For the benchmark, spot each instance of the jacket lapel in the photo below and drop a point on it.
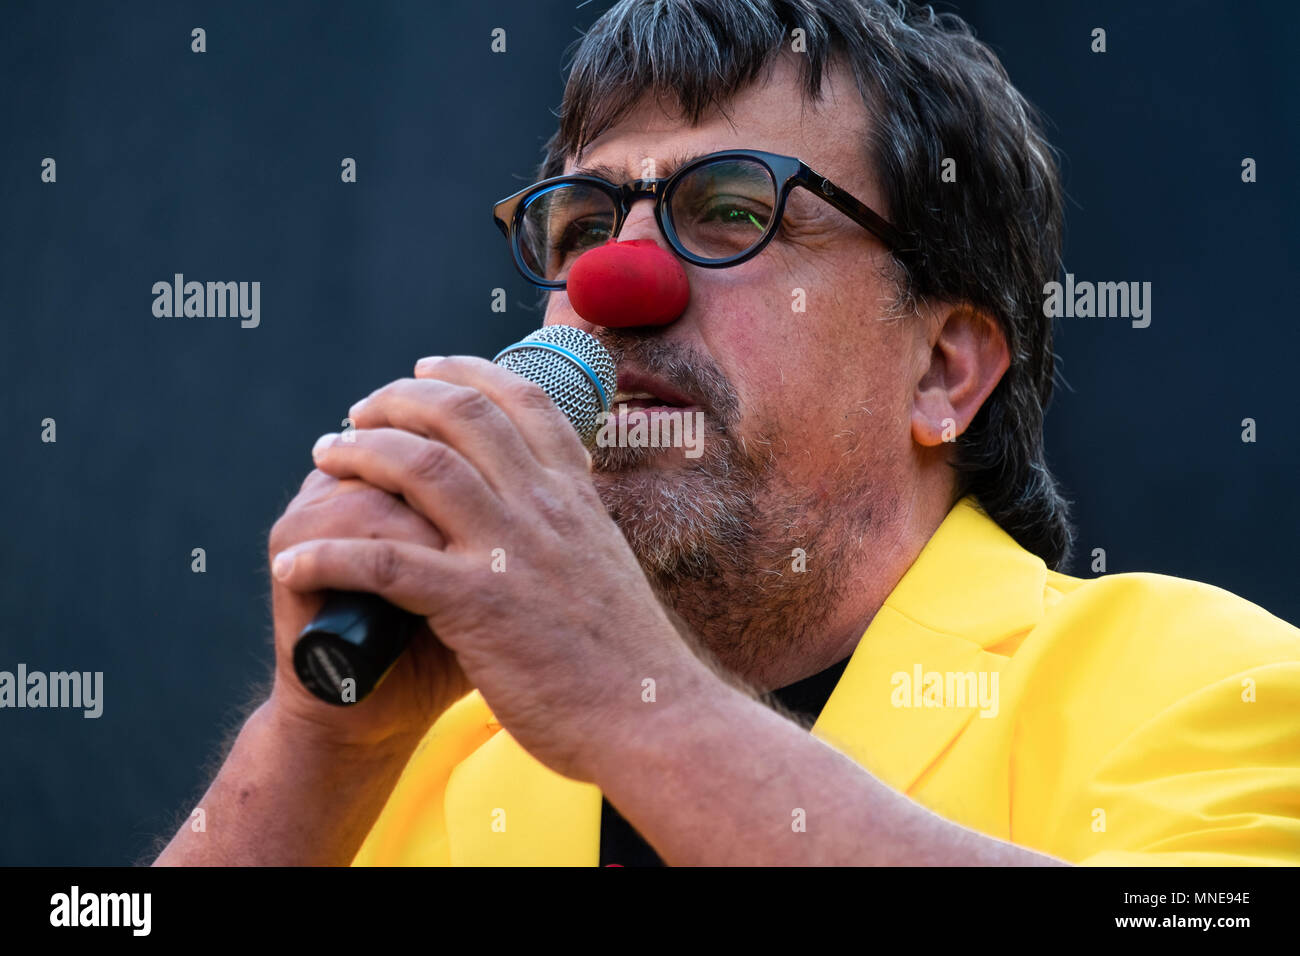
(971, 589)
(506, 808)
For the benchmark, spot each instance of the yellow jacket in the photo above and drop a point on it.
(1127, 719)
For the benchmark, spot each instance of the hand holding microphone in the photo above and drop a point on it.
(464, 463)
(535, 591)
(349, 647)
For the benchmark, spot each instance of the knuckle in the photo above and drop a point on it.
(281, 535)
(362, 510)
(314, 482)
(351, 509)
(555, 511)
(432, 462)
(388, 388)
(385, 565)
(356, 411)
(380, 504)
(364, 409)
(467, 403)
(531, 396)
(316, 487)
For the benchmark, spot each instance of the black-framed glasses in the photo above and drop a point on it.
(717, 210)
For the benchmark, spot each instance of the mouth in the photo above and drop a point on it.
(645, 392)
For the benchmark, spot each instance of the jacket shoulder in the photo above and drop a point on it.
(1162, 614)
(1157, 725)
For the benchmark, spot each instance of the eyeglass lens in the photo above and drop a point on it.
(718, 210)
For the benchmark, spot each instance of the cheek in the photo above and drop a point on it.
(824, 408)
(820, 385)
(749, 319)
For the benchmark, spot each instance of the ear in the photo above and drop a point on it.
(967, 360)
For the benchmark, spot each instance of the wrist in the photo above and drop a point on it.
(321, 736)
(686, 696)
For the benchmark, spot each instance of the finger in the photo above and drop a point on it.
(368, 512)
(433, 478)
(412, 577)
(316, 485)
(542, 425)
(464, 418)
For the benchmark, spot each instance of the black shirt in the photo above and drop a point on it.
(620, 844)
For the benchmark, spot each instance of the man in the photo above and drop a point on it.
(872, 529)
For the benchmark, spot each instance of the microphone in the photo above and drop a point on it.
(358, 636)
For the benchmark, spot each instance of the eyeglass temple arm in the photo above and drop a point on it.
(847, 204)
(502, 212)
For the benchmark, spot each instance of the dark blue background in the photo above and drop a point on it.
(182, 433)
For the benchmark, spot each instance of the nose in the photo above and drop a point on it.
(633, 282)
(640, 221)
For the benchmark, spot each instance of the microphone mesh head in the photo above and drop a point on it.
(570, 385)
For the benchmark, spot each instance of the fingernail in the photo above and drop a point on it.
(282, 565)
(590, 460)
(322, 443)
(427, 363)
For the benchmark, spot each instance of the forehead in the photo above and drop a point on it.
(830, 135)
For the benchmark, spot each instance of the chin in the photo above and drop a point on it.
(613, 462)
(677, 522)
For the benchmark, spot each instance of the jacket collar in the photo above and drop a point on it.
(970, 589)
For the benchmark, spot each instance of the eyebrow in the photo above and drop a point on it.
(617, 175)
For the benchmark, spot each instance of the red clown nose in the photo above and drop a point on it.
(628, 283)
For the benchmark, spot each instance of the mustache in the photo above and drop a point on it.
(685, 368)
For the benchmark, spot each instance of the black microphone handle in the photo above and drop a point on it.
(356, 637)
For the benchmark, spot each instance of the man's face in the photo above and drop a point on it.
(807, 438)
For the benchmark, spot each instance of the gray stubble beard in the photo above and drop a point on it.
(716, 541)
(716, 535)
